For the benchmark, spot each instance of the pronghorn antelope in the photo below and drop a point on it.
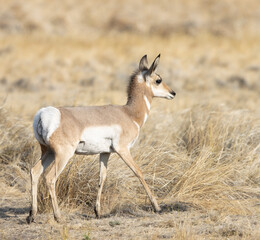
(103, 130)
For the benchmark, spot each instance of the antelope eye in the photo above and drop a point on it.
(158, 81)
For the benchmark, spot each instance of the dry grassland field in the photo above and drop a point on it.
(200, 153)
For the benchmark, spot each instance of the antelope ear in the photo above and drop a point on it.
(154, 66)
(143, 65)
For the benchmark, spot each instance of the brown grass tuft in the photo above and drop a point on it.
(208, 160)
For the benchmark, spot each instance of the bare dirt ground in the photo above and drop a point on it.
(178, 221)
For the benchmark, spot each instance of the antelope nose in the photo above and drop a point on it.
(173, 93)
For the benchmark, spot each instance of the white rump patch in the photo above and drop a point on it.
(148, 105)
(99, 139)
(45, 122)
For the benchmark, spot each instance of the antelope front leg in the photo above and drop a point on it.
(103, 159)
(126, 156)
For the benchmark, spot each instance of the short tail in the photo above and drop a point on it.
(45, 122)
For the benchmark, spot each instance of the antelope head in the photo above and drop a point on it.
(153, 80)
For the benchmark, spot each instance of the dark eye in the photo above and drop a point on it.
(158, 81)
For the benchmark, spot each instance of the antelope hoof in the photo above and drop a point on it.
(30, 218)
(96, 212)
(58, 219)
(158, 210)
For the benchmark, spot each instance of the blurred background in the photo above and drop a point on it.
(57, 52)
(201, 149)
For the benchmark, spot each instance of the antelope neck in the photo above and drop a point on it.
(138, 105)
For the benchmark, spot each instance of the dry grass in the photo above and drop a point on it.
(209, 160)
(199, 153)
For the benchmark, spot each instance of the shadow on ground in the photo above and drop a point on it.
(170, 207)
(12, 212)
(142, 210)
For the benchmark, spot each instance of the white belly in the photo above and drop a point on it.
(100, 139)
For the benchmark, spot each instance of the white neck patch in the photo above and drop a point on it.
(138, 127)
(145, 118)
(140, 78)
(148, 81)
(148, 105)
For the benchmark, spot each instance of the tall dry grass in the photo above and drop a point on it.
(206, 156)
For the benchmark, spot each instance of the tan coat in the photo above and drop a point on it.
(64, 131)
